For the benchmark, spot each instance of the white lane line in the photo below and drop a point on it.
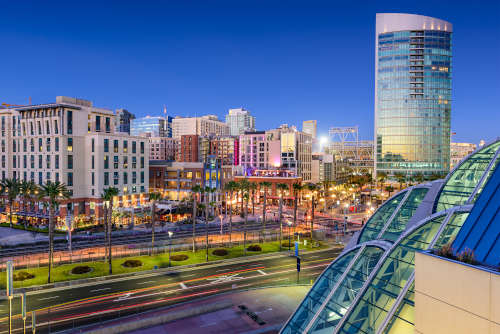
(189, 275)
(260, 271)
(46, 298)
(314, 256)
(103, 289)
(217, 271)
(146, 282)
(183, 286)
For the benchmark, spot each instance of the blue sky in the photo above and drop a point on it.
(286, 61)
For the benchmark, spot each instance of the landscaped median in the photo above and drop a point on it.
(23, 277)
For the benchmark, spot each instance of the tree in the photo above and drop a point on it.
(265, 185)
(11, 187)
(244, 186)
(27, 189)
(108, 195)
(281, 188)
(153, 198)
(195, 190)
(401, 178)
(297, 188)
(312, 188)
(53, 193)
(253, 187)
(231, 186)
(389, 189)
(419, 177)
(382, 177)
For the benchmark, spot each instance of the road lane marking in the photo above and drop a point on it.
(146, 282)
(260, 271)
(189, 275)
(47, 298)
(183, 286)
(103, 289)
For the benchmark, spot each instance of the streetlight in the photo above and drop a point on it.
(170, 234)
(220, 217)
(289, 235)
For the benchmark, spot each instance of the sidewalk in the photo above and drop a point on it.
(270, 307)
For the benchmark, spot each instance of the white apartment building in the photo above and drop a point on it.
(240, 121)
(208, 125)
(75, 143)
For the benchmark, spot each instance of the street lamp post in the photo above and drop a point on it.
(170, 234)
(289, 235)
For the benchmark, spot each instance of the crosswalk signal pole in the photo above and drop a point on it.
(23, 310)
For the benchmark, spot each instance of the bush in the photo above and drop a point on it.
(285, 244)
(132, 263)
(467, 256)
(446, 251)
(179, 257)
(22, 275)
(78, 270)
(220, 252)
(254, 248)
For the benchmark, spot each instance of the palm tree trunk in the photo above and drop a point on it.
(153, 204)
(253, 203)
(194, 223)
(230, 218)
(10, 213)
(105, 224)
(245, 229)
(280, 211)
(51, 240)
(264, 215)
(110, 257)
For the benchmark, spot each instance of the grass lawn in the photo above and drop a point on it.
(63, 272)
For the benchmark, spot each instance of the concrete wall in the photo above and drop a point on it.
(451, 297)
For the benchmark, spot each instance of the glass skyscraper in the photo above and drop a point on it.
(412, 94)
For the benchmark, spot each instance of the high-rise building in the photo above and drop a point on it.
(239, 120)
(412, 94)
(310, 127)
(75, 143)
(122, 120)
(208, 125)
(151, 126)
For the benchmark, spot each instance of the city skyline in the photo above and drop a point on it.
(172, 70)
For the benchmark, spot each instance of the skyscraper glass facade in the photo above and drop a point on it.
(413, 94)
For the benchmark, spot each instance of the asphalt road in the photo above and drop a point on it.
(71, 307)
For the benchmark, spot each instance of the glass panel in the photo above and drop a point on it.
(316, 296)
(465, 178)
(390, 280)
(403, 320)
(376, 222)
(398, 224)
(343, 297)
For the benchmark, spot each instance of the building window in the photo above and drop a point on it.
(125, 146)
(40, 157)
(142, 177)
(47, 161)
(70, 162)
(93, 178)
(14, 161)
(70, 144)
(142, 162)
(106, 162)
(47, 177)
(69, 123)
(125, 178)
(134, 147)
(40, 143)
(143, 189)
(32, 161)
(25, 145)
(56, 144)
(47, 127)
(116, 178)
(48, 144)
(115, 162)
(25, 161)
(125, 162)
(56, 162)
(108, 125)
(134, 162)
(106, 178)
(40, 178)
(93, 162)
(98, 123)
(142, 147)
(93, 144)
(14, 145)
(39, 128)
(56, 128)
(106, 145)
(115, 146)
(134, 177)
(70, 179)
(57, 177)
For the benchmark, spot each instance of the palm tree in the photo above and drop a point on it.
(281, 187)
(11, 187)
(253, 187)
(107, 196)
(53, 192)
(244, 186)
(195, 190)
(153, 197)
(419, 177)
(297, 188)
(382, 176)
(231, 187)
(389, 189)
(401, 178)
(312, 188)
(27, 189)
(264, 185)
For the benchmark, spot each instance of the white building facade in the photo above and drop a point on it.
(240, 121)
